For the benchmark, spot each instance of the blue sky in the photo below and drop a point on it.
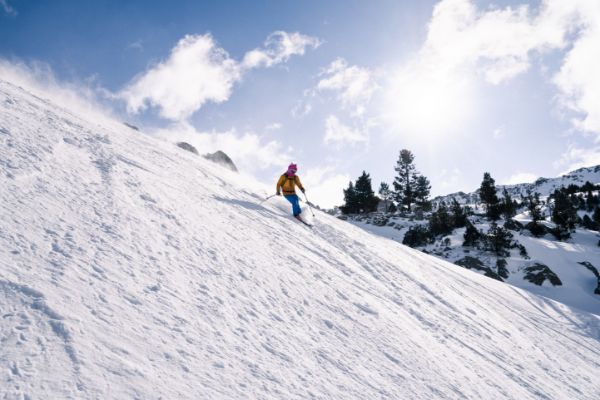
(337, 87)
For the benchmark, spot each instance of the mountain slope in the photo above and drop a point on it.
(543, 186)
(133, 269)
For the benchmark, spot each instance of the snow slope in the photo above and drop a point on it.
(130, 268)
(563, 258)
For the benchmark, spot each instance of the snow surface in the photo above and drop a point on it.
(130, 268)
(563, 258)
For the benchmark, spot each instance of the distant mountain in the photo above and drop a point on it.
(543, 186)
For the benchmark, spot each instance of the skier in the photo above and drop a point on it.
(287, 184)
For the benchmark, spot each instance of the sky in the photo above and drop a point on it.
(338, 87)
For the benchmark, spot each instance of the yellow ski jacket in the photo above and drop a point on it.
(287, 184)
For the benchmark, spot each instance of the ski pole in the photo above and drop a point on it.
(273, 195)
(308, 202)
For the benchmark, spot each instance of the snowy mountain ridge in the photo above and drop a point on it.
(130, 268)
(543, 186)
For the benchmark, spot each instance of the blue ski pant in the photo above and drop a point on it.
(293, 198)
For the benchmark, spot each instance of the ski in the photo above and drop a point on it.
(303, 221)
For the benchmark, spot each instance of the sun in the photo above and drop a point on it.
(428, 102)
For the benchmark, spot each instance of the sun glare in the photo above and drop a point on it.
(428, 104)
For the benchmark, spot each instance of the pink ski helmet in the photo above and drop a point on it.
(292, 168)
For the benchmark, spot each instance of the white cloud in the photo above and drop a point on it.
(498, 42)
(8, 8)
(324, 186)
(434, 89)
(338, 133)
(137, 45)
(301, 109)
(520, 177)
(578, 78)
(249, 151)
(355, 85)
(275, 126)
(576, 157)
(83, 98)
(278, 48)
(198, 71)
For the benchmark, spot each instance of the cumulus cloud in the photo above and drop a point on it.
(498, 42)
(196, 71)
(338, 133)
(199, 71)
(465, 43)
(578, 79)
(249, 151)
(8, 9)
(355, 85)
(278, 48)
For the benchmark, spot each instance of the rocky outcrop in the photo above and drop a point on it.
(538, 273)
(188, 147)
(594, 270)
(221, 158)
(135, 128)
(475, 263)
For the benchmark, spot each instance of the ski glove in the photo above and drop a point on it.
(278, 194)
(303, 190)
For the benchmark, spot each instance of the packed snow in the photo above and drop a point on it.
(131, 268)
(563, 258)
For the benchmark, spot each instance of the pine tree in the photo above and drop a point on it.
(564, 214)
(440, 222)
(472, 236)
(385, 193)
(459, 215)
(403, 182)
(350, 200)
(421, 192)
(534, 205)
(589, 200)
(499, 240)
(509, 207)
(596, 215)
(488, 196)
(366, 199)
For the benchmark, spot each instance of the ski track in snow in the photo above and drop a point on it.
(130, 268)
